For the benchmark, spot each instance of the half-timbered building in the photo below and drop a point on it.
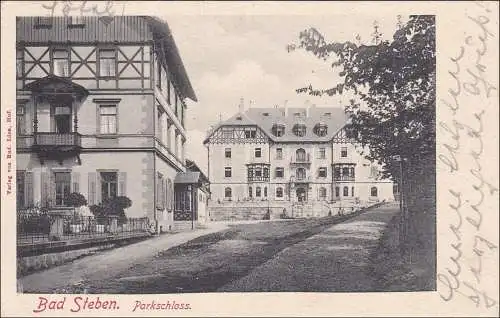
(297, 159)
(101, 111)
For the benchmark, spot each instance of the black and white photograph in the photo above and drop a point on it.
(169, 154)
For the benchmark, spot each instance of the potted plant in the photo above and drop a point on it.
(77, 223)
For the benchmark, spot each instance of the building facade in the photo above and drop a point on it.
(297, 159)
(101, 111)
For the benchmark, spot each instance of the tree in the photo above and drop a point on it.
(394, 86)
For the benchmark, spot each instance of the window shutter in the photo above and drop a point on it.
(98, 196)
(170, 197)
(52, 189)
(28, 188)
(75, 182)
(122, 184)
(157, 192)
(163, 192)
(318, 193)
(92, 188)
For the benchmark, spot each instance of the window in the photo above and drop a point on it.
(343, 152)
(75, 21)
(337, 191)
(299, 130)
(257, 192)
(63, 187)
(337, 172)
(300, 173)
(250, 133)
(374, 172)
(321, 129)
(346, 191)
(108, 119)
(322, 153)
(227, 172)
(20, 195)
(107, 63)
(279, 192)
(279, 153)
(258, 152)
(43, 22)
(279, 172)
(20, 120)
(278, 130)
(19, 62)
(169, 89)
(183, 200)
(352, 191)
(345, 172)
(227, 152)
(374, 192)
(60, 63)
(227, 133)
(301, 155)
(258, 172)
(250, 193)
(265, 192)
(322, 193)
(227, 193)
(266, 172)
(159, 75)
(109, 185)
(351, 172)
(322, 172)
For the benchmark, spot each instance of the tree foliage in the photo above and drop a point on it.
(393, 82)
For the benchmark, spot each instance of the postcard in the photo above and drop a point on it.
(249, 158)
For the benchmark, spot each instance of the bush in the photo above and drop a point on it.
(112, 207)
(76, 200)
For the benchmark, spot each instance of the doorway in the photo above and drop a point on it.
(301, 194)
(61, 119)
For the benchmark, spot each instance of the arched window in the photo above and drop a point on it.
(279, 192)
(227, 193)
(300, 174)
(278, 130)
(346, 191)
(250, 192)
(300, 154)
(257, 192)
(321, 129)
(374, 192)
(265, 191)
(322, 193)
(299, 130)
(337, 191)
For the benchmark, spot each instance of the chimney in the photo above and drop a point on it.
(241, 106)
(285, 113)
(250, 103)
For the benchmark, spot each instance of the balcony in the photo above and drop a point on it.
(305, 159)
(344, 178)
(52, 145)
(301, 179)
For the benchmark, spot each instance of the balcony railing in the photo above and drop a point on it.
(258, 178)
(344, 178)
(301, 179)
(57, 139)
(301, 159)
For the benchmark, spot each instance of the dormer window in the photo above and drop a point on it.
(321, 129)
(297, 115)
(239, 118)
(328, 115)
(299, 130)
(278, 130)
(265, 114)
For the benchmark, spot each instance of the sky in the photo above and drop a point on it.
(245, 56)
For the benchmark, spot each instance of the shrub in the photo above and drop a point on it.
(76, 200)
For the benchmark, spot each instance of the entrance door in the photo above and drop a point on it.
(62, 119)
(301, 194)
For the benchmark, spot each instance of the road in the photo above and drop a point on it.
(328, 254)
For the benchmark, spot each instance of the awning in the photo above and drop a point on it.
(188, 177)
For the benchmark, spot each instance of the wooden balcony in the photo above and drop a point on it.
(58, 146)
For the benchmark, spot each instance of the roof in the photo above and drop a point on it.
(162, 33)
(333, 117)
(188, 177)
(192, 166)
(55, 84)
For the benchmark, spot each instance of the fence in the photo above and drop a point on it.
(35, 228)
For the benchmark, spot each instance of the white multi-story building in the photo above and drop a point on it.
(298, 159)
